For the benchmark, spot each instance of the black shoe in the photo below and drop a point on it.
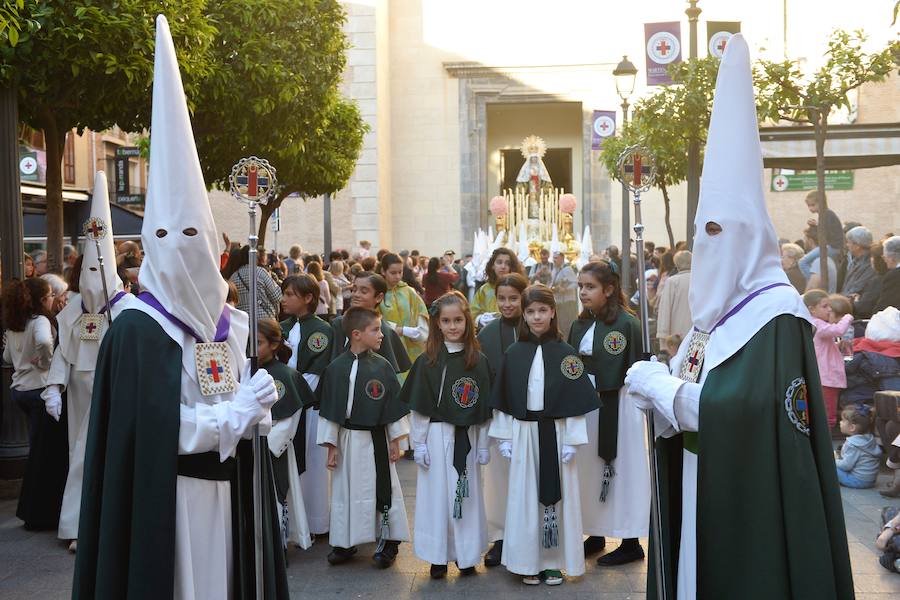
(467, 571)
(594, 544)
(387, 556)
(492, 558)
(629, 551)
(438, 571)
(339, 556)
(888, 560)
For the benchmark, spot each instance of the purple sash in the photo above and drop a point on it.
(744, 303)
(222, 327)
(112, 303)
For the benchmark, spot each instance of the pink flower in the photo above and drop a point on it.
(498, 206)
(567, 203)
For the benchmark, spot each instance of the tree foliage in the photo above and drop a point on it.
(273, 92)
(667, 122)
(787, 94)
(88, 64)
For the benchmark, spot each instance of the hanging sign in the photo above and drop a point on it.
(602, 127)
(663, 43)
(717, 35)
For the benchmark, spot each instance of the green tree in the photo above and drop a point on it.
(787, 94)
(89, 64)
(274, 92)
(666, 123)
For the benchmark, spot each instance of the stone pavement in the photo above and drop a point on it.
(36, 565)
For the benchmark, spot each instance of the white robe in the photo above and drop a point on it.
(280, 440)
(626, 512)
(495, 479)
(203, 545)
(73, 370)
(439, 538)
(354, 518)
(315, 480)
(522, 548)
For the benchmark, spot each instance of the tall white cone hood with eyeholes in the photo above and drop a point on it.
(745, 256)
(90, 282)
(181, 263)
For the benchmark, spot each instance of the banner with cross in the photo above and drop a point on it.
(637, 168)
(252, 180)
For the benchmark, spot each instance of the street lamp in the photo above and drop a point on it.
(625, 74)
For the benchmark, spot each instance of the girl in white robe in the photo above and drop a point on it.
(448, 392)
(539, 421)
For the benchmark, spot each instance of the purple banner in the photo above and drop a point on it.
(663, 42)
(603, 126)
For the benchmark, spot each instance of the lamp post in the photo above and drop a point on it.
(626, 75)
(693, 169)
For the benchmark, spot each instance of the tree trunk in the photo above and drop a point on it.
(821, 129)
(55, 141)
(264, 216)
(668, 217)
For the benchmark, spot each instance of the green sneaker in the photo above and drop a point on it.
(552, 577)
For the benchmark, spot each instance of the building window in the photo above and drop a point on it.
(69, 159)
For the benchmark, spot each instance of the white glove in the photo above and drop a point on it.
(421, 456)
(567, 454)
(485, 318)
(411, 332)
(52, 401)
(505, 448)
(255, 397)
(484, 456)
(649, 385)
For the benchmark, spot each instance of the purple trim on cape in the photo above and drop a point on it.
(222, 327)
(744, 303)
(112, 303)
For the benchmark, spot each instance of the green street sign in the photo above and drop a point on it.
(834, 180)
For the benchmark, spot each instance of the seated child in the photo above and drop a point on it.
(361, 422)
(858, 462)
(888, 541)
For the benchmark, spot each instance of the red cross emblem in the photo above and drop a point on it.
(604, 125)
(94, 228)
(615, 343)
(721, 45)
(465, 392)
(252, 181)
(693, 361)
(663, 48)
(375, 389)
(214, 369)
(636, 169)
(90, 327)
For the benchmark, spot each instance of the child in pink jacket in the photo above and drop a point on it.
(828, 354)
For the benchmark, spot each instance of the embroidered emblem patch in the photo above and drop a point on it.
(615, 342)
(692, 364)
(796, 404)
(214, 372)
(572, 367)
(375, 389)
(317, 342)
(465, 392)
(279, 387)
(90, 326)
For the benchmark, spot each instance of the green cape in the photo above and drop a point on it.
(392, 348)
(289, 383)
(447, 391)
(495, 338)
(615, 348)
(376, 395)
(126, 533)
(314, 354)
(567, 390)
(766, 490)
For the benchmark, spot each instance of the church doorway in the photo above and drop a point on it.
(557, 160)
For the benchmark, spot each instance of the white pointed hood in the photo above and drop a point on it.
(90, 283)
(587, 247)
(181, 264)
(745, 257)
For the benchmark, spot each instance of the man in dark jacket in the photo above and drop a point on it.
(861, 284)
(890, 284)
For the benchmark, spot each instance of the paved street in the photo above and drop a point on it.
(36, 565)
